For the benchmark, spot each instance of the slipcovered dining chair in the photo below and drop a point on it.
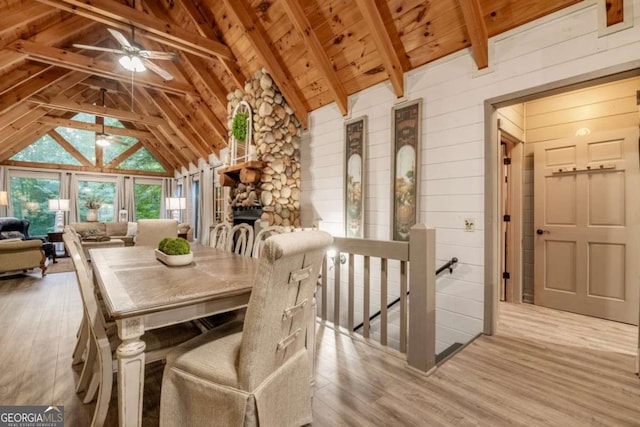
(240, 240)
(219, 234)
(103, 341)
(151, 231)
(260, 375)
(263, 235)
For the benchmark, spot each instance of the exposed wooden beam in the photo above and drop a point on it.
(20, 93)
(384, 46)
(124, 155)
(84, 168)
(98, 83)
(615, 11)
(201, 17)
(120, 16)
(93, 127)
(79, 107)
(173, 144)
(70, 148)
(179, 125)
(75, 61)
(203, 122)
(14, 18)
(21, 139)
(317, 52)
(473, 19)
(268, 55)
(15, 113)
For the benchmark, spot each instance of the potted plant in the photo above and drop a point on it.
(174, 251)
(93, 204)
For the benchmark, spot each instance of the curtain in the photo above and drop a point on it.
(119, 202)
(168, 190)
(129, 199)
(4, 186)
(206, 204)
(65, 193)
(186, 192)
(74, 213)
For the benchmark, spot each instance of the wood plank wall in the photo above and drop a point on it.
(557, 47)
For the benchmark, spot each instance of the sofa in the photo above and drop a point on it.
(97, 235)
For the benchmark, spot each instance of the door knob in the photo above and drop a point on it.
(540, 232)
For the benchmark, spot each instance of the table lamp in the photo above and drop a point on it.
(59, 206)
(176, 204)
(4, 198)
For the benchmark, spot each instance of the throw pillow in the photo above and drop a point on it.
(96, 239)
(11, 235)
(91, 233)
(132, 228)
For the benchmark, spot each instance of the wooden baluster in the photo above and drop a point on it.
(336, 290)
(351, 292)
(367, 295)
(323, 291)
(383, 301)
(403, 306)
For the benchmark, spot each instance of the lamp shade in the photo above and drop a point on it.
(4, 198)
(175, 203)
(59, 205)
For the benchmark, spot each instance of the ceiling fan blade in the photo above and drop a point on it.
(120, 38)
(98, 48)
(158, 70)
(154, 54)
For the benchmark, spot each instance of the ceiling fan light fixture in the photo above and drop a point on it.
(132, 63)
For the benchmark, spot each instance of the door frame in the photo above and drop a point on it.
(493, 172)
(513, 260)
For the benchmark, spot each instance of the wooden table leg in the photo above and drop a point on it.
(130, 372)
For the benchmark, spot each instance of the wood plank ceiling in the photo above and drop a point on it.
(318, 52)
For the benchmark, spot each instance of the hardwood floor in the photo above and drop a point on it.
(544, 367)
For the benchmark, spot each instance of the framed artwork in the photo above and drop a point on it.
(355, 132)
(405, 135)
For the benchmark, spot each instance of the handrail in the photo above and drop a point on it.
(446, 266)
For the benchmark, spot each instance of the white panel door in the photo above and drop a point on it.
(587, 217)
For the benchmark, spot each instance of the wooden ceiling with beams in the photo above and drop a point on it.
(318, 52)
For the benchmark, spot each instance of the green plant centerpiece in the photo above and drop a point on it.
(239, 126)
(174, 251)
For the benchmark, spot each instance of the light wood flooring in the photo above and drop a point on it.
(544, 367)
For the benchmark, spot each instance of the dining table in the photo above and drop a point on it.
(141, 293)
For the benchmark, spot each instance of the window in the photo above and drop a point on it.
(147, 197)
(101, 191)
(46, 150)
(30, 201)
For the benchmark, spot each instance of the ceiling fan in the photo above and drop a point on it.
(134, 56)
(104, 139)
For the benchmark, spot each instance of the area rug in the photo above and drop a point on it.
(63, 265)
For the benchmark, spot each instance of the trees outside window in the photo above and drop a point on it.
(147, 197)
(104, 192)
(30, 201)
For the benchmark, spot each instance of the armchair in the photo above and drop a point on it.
(16, 254)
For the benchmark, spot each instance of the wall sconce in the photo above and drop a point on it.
(59, 206)
(175, 204)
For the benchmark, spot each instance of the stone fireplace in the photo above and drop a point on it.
(272, 181)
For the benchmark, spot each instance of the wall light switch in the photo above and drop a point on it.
(469, 224)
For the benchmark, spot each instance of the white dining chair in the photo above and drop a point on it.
(258, 375)
(240, 240)
(219, 235)
(263, 235)
(151, 231)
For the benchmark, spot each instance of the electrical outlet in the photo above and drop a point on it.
(469, 224)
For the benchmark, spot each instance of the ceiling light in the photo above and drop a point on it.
(102, 140)
(132, 63)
